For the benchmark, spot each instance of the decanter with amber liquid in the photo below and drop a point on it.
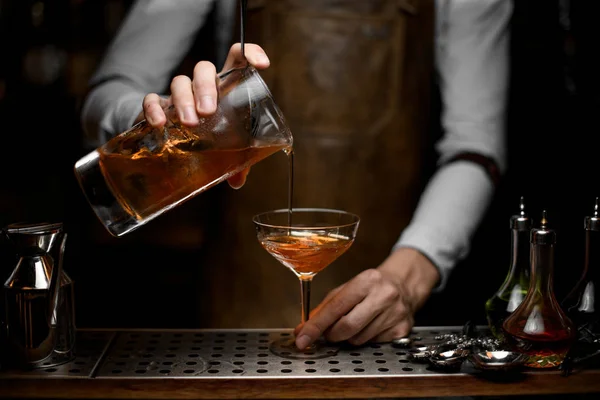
(514, 288)
(539, 327)
(580, 304)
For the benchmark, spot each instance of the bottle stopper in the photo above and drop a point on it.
(592, 223)
(543, 235)
(521, 221)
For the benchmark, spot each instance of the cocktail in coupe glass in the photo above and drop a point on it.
(306, 240)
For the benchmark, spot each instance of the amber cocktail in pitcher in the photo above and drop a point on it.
(305, 240)
(143, 172)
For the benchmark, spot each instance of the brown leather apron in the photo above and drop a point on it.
(353, 79)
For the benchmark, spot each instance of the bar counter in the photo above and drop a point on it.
(235, 364)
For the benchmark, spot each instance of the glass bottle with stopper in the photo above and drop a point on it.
(514, 288)
(580, 304)
(539, 327)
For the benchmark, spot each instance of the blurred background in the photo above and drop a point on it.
(193, 267)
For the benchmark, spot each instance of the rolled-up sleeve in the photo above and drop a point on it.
(149, 45)
(472, 64)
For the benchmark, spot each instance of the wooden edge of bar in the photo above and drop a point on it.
(535, 383)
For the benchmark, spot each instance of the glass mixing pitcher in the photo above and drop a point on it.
(143, 172)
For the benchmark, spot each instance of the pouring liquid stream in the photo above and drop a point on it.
(289, 152)
(243, 7)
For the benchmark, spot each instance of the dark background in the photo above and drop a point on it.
(49, 49)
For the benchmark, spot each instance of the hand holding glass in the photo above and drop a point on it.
(143, 172)
(305, 240)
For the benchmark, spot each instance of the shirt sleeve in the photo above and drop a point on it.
(149, 45)
(472, 44)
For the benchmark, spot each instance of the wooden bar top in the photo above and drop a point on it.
(236, 364)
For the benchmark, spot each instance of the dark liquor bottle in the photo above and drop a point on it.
(580, 304)
(539, 327)
(514, 288)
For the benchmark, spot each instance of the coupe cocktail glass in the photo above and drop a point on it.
(306, 240)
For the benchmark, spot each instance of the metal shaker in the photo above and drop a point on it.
(39, 320)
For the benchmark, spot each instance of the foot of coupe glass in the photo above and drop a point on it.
(286, 348)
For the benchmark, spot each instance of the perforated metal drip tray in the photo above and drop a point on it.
(90, 347)
(241, 353)
(229, 354)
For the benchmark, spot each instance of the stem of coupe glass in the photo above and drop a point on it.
(305, 283)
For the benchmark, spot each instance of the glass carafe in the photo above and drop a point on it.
(143, 172)
(514, 288)
(581, 303)
(539, 327)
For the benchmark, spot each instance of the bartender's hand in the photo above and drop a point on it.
(197, 96)
(377, 305)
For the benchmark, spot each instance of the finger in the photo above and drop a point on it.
(332, 293)
(368, 313)
(376, 325)
(255, 55)
(183, 99)
(153, 112)
(238, 180)
(392, 310)
(349, 326)
(386, 326)
(327, 298)
(205, 88)
(352, 294)
(399, 330)
(378, 311)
